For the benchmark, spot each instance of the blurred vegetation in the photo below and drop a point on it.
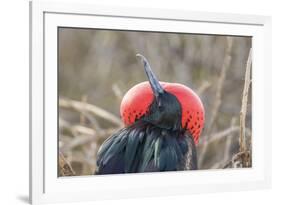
(96, 68)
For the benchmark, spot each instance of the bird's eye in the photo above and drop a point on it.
(161, 108)
(160, 105)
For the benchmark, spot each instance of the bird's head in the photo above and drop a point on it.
(170, 106)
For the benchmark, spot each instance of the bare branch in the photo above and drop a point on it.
(217, 103)
(228, 142)
(84, 135)
(226, 155)
(76, 105)
(205, 85)
(222, 134)
(65, 168)
(225, 67)
(82, 117)
(243, 157)
(117, 91)
(239, 160)
(243, 112)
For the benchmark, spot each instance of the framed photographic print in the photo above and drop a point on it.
(129, 102)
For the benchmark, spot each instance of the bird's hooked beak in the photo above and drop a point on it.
(154, 83)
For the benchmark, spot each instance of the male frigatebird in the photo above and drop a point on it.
(163, 122)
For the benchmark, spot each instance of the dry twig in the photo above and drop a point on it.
(205, 85)
(222, 134)
(245, 159)
(217, 103)
(228, 141)
(82, 117)
(225, 67)
(117, 91)
(64, 103)
(65, 168)
(243, 112)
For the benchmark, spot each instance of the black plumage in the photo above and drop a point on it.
(143, 147)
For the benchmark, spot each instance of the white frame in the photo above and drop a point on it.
(44, 184)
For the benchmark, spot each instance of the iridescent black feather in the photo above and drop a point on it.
(144, 147)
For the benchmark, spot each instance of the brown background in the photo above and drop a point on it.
(98, 66)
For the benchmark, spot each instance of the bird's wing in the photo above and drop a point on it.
(109, 157)
(119, 153)
(146, 149)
